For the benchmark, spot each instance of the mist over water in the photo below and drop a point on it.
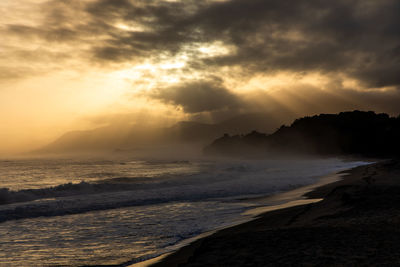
(109, 211)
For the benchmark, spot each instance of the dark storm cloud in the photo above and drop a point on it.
(210, 100)
(358, 38)
(199, 96)
(159, 19)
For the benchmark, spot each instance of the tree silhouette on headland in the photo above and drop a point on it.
(346, 133)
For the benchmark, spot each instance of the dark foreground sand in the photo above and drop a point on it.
(357, 224)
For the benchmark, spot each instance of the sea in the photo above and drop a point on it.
(119, 211)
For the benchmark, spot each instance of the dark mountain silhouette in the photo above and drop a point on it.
(346, 133)
(127, 137)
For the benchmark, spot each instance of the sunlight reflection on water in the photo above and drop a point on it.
(108, 237)
(131, 210)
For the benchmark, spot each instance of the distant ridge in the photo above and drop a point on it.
(126, 137)
(347, 133)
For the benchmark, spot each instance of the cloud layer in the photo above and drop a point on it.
(358, 40)
(199, 96)
(160, 61)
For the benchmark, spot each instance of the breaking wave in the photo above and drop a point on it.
(222, 180)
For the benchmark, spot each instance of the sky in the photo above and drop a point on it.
(81, 64)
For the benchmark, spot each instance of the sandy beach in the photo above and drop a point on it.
(356, 224)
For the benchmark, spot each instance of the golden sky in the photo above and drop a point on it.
(80, 64)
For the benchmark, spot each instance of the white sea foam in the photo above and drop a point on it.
(158, 202)
(213, 180)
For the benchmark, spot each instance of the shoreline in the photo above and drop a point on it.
(284, 200)
(356, 223)
(254, 213)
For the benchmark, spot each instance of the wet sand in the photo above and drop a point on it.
(356, 224)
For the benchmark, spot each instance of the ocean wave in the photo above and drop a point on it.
(225, 181)
(8, 196)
